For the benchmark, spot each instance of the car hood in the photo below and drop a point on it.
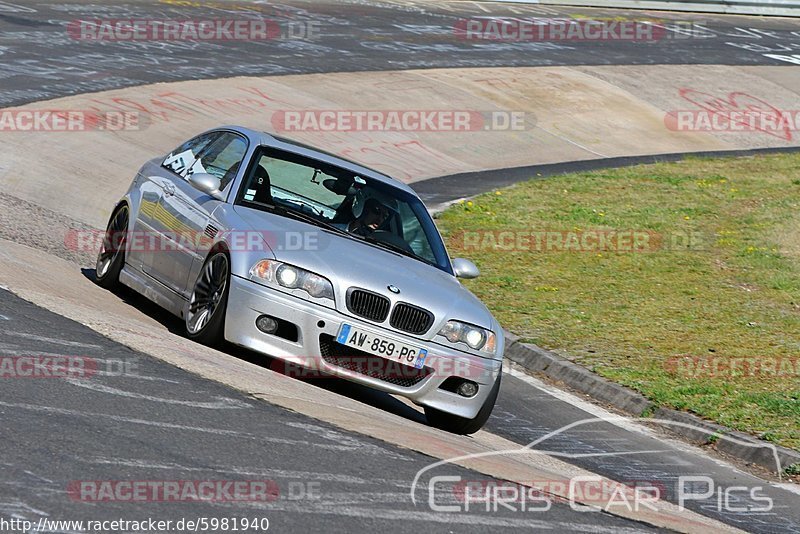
(350, 263)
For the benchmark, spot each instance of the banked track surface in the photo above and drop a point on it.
(397, 35)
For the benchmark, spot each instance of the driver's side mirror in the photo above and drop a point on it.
(465, 269)
(206, 183)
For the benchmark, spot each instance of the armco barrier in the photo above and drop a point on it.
(778, 8)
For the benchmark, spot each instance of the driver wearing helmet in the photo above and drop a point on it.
(372, 217)
(371, 211)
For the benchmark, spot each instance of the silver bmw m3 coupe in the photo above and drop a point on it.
(314, 260)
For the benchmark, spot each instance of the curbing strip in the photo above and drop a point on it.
(577, 377)
(689, 427)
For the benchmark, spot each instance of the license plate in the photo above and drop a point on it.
(390, 349)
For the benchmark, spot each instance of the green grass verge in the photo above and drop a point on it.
(719, 283)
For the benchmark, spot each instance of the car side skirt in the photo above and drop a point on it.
(153, 290)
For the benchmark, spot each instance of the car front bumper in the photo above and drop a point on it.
(317, 325)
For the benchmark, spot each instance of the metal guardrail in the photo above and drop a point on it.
(778, 8)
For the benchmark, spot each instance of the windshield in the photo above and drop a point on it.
(339, 199)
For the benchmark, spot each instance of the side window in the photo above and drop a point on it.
(223, 157)
(183, 160)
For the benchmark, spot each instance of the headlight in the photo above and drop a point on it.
(292, 277)
(287, 276)
(475, 337)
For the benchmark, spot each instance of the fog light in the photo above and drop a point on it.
(267, 324)
(467, 389)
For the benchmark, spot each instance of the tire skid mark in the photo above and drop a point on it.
(174, 426)
(258, 472)
(222, 403)
(52, 340)
(455, 519)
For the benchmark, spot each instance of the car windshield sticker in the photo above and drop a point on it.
(179, 162)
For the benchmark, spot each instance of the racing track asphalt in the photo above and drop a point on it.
(140, 419)
(156, 395)
(39, 60)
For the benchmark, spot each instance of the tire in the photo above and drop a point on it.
(462, 425)
(205, 318)
(111, 257)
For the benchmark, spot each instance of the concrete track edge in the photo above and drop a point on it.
(687, 426)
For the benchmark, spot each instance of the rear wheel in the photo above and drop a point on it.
(205, 320)
(462, 425)
(111, 257)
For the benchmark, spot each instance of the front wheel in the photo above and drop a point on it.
(462, 425)
(111, 257)
(205, 319)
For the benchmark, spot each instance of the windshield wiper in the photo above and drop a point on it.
(299, 215)
(394, 248)
(306, 204)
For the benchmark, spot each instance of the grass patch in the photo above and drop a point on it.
(717, 284)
